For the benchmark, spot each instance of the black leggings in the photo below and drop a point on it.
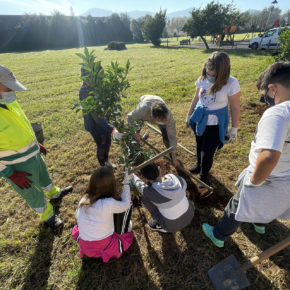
(206, 146)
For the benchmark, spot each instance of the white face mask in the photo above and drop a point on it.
(159, 123)
(7, 97)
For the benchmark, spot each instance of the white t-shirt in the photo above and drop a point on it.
(273, 132)
(271, 200)
(96, 222)
(220, 99)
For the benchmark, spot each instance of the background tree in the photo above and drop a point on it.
(211, 20)
(176, 25)
(153, 27)
(136, 28)
(284, 39)
(285, 18)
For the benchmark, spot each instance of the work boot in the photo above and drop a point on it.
(54, 222)
(63, 192)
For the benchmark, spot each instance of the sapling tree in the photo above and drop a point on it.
(106, 89)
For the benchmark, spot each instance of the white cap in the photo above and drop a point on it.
(8, 79)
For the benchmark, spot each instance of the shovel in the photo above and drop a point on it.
(229, 275)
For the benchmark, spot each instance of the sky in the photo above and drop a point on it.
(46, 7)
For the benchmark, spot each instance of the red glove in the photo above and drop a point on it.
(20, 179)
(42, 149)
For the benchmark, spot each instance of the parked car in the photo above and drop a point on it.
(267, 40)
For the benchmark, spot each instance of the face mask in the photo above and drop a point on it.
(210, 79)
(269, 101)
(8, 97)
(264, 98)
(159, 123)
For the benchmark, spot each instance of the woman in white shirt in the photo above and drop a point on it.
(208, 115)
(98, 214)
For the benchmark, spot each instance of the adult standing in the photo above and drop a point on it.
(20, 161)
(208, 115)
(154, 110)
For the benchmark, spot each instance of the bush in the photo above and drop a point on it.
(284, 40)
(116, 45)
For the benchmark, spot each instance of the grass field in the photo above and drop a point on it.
(34, 257)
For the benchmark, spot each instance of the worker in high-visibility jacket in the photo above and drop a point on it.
(20, 161)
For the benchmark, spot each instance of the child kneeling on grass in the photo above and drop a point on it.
(103, 222)
(165, 198)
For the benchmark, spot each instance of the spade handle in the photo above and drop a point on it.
(266, 254)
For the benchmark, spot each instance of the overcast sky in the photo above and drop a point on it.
(16, 7)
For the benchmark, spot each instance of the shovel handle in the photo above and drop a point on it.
(266, 254)
(178, 144)
(167, 151)
(180, 167)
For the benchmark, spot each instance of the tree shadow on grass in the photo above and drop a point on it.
(275, 233)
(37, 274)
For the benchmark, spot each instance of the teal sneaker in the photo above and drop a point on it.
(208, 230)
(259, 229)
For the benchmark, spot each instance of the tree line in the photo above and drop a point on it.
(34, 32)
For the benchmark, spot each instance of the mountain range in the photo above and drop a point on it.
(96, 12)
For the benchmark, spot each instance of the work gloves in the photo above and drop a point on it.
(127, 177)
(249, 183)
(187, 120)
(42, 149)
(117, 135)
(232, 135)
(20, 179)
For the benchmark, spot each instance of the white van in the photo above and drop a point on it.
(268, 40)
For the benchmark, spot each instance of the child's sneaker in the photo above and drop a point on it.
(259, 229)
(208, 230)
(154, 226)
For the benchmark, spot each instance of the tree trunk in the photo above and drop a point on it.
(204, 41)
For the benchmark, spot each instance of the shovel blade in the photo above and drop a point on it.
(226, 275)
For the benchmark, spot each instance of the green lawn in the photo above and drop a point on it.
(33, 257)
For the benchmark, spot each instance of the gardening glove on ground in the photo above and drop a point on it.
(127, 177)
(232, 135)
(187, 120)
(117, 135)
(20, 179)
(249, 183)
(42, 149)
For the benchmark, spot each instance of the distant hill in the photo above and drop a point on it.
(181, 13)
(137, 13)
(96, 12)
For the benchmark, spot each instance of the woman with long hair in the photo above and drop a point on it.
(103, 222)
(208, 115)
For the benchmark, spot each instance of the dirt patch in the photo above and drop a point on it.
(258, 109)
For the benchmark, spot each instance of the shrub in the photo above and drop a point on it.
(116, 45)
(284, 40)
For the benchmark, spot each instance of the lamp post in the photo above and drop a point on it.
(167, 26)
(271, 9)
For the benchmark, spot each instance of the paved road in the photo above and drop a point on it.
(238, 45)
